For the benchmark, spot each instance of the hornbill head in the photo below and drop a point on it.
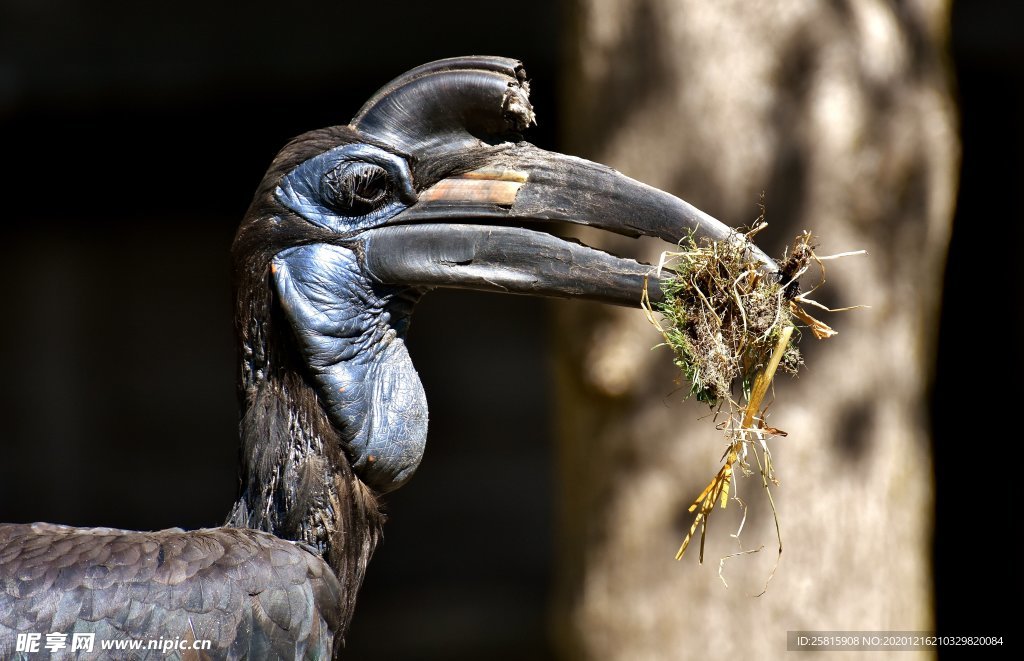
(428, 186)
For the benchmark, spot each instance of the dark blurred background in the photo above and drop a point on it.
(133, 137)
(980, 361)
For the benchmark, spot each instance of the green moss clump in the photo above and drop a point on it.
(722, 314)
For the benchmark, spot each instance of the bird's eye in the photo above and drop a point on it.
(355, 189)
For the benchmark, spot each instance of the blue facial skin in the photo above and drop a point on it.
(350, 330)
(304, 189)
(351, 333)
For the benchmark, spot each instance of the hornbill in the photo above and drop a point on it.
(428, 186)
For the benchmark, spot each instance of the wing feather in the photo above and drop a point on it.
(249, 593)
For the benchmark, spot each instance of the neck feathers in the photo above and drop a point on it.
(296, 481)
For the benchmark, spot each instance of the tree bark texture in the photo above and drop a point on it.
(840, 113)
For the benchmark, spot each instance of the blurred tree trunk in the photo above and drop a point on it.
(840, 113)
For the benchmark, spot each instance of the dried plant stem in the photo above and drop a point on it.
(766, 472)
(718, 489)
(764, 378)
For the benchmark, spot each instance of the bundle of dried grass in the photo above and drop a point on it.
(729, 322)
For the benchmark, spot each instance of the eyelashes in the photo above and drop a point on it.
(356, 189)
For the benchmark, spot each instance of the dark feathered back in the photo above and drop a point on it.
(245, 593)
